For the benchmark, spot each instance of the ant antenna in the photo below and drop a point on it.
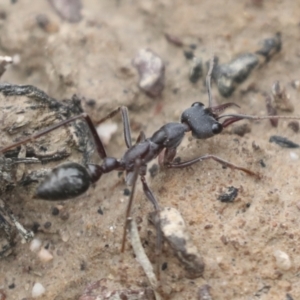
(208, 80)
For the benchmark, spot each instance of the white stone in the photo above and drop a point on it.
(105, 131)
(35, 245)
(283, 260)
(294, 156)
(44, 255)
(37, 290)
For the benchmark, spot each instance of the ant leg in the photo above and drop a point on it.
(141, 138)
(166, 156)
(159, 238)
(231, 118)
(149, 194)
(209, 156)
(137, 166)
(99, 145)
(126, 123)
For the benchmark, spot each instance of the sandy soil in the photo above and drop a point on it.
(92, 58)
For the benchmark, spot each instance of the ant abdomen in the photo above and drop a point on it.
(64, 182)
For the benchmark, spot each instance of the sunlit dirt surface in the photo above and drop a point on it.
(92, 58)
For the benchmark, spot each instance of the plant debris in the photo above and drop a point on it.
(283, 142)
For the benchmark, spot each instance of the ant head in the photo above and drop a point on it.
(201, 121)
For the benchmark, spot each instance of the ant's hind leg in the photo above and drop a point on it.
(209, 156)
(137, 166)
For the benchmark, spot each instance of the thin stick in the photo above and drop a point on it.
(140, 253)
(128, 211)
(208, 80)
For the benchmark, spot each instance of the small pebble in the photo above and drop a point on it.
(164, 266)
(174, 40)
(3, 16)
(294, 156)
(229, 195)
(289, 297)
(127, 192)
(151, 70)
(35, 245)
(47, 225)
(42, 20)
(4, 62)
(64, 215)
(296, 84)
(196, 70)
(55, 211)
(105, 131)
(64, 236)
(270, 46)
(294, 125)
(44, 255)
(69, 10)
(188, 54)
(208, 226)
(153, 170)
(262, 163)
(241, 130)
(91, 102)
(35, 227)
(204, 292)
(44, 23)
(37, 290)
(283, 260)
(281, 98)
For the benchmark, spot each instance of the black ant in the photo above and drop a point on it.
(71, 179)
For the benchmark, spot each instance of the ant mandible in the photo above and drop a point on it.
(71, 179)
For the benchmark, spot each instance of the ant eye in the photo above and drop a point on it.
(197, 104)
(217, 128)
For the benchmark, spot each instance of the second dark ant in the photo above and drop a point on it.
(71, 179)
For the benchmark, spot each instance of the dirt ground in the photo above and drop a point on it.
(92, 58)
